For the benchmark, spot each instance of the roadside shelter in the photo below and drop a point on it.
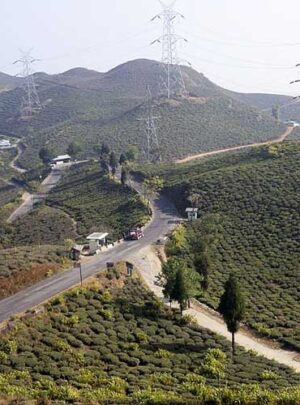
(97, 240)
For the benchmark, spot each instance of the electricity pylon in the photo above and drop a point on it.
(151, 149)
(173, 83)
(31, 102)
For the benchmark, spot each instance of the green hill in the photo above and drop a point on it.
(256, 197)
(91, 107)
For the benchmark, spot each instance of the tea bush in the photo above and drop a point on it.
(110, 359)
(252, 201)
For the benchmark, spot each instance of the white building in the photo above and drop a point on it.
(4, 143)
(59, 160)
(96, 241)
(192, 213)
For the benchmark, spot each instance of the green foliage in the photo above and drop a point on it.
(214, 364)
(73, 354)
(132, 153)
(46, 155)
(74, 149)
(232, 305)
(97, 202)
(124, 176)
(252, 200)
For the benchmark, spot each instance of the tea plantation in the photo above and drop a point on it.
(257, 199)
(96, 202)
(112, 342)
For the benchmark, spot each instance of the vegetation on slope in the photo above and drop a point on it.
(256, 198)
(23, 266)
(96, 202)
(106, 107)
(113, 342)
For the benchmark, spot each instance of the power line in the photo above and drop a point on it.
(250, 44)
(151, 149)
(173, 83)
(31, 102)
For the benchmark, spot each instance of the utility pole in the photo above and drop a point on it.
(173, 83)
(151, 149)
(31, 102)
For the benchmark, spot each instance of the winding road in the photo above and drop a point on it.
(164, 219)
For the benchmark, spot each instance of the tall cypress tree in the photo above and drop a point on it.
(232, 307)
(113, 162)
(180, 291)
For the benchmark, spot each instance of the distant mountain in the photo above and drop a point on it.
(8, 82)
(90, 107)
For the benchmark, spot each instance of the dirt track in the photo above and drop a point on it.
(282, 137)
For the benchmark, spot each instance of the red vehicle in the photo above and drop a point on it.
(134, 234)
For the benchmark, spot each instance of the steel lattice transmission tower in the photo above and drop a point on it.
(31, 102)
(173, 83)
(151, 149)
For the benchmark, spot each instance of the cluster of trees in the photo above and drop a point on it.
(186, 274)
(109, 161)
(46, 154)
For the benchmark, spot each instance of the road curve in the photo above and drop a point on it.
(163, 220)
(282, 137)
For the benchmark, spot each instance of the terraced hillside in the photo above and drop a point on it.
(112, 342)
(256, 197)
(96, 202)
(91, 107)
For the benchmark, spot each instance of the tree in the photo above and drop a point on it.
(104, 151)
(74, 148)
(180, 291)
(104, 166)
(276, 111)
(124, 175)
(179, 282)
(194, 199)
(113, 162)
(132, 153)
(46, 155)
(232, 307)
(201, 263)
(122, 159)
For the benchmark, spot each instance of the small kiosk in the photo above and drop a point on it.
(192, 213)
(96, 241)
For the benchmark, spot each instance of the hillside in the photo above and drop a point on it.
(8, 82)
(112, 342)
(84, 201)
(254, 199)
(90, 107)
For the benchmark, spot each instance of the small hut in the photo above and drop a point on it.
(96, 241)
(192, 213)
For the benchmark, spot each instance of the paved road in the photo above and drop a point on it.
(163, 220)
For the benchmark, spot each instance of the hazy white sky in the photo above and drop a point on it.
(245, 45)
